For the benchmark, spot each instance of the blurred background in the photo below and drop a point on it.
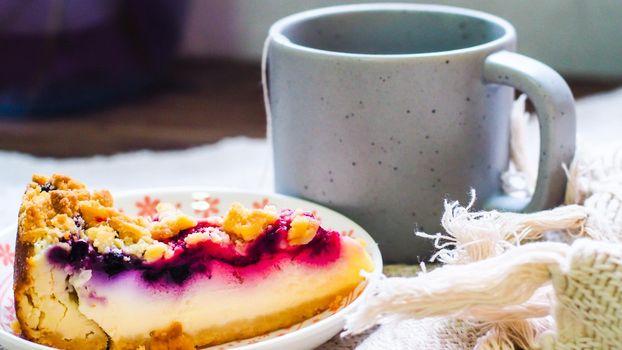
(90, 77)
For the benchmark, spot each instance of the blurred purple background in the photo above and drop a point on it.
(70, 55)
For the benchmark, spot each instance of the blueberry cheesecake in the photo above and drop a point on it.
(88, 276)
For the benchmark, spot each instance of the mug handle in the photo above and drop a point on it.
(554, 106)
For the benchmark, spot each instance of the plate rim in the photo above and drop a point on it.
(325, 323)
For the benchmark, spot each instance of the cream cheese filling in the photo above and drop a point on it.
(125, 307)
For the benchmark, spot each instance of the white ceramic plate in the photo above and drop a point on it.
(205, 202)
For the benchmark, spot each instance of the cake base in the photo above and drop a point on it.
(237, 330)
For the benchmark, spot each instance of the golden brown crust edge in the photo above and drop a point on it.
(21, 281)
(33, 209)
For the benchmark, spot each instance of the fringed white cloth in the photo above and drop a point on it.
(504, 284)
(506, 301)
(473, 236)
(508, 298)
(489, 290)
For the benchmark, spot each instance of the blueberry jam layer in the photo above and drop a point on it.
(266, 251)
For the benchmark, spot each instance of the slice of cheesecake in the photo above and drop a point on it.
(88, 276)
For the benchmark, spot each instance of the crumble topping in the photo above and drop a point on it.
(130, 229)
(170, 222)
(213, 234)
(303, 229)
(64, 225)
(94, 213)
(58, 208)
(103, 237)
(103, 197)
(157, 251)
(248, 224)
(214, 220)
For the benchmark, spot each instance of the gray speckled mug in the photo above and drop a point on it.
(381, 111)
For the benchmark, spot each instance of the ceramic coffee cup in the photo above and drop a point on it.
(381, 111)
